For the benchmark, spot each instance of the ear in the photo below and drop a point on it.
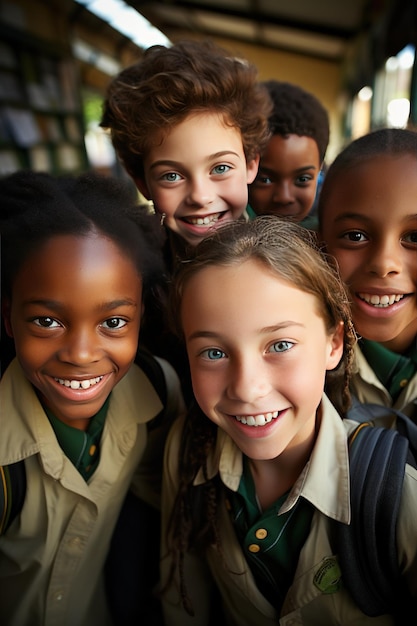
(143, 187)
(336, 339)
(252, 169)
(6, 312)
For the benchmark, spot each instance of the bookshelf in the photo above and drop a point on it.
(41, 120)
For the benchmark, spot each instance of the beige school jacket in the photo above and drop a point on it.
(52, 556)
(368, 388)
(316, 596)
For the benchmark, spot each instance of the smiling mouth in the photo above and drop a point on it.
(257, 420)
(204, 221)
(79, 384)
(380, 301)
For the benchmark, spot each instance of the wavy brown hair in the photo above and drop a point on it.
(149, 98)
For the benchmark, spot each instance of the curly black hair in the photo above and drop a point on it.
(36, 206)
(298, 112)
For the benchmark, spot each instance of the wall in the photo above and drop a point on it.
(62, 20)
(320, 77)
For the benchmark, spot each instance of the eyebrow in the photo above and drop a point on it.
(199, 334)
(365, 218)
(306, 167)
(352, 216)
(210, 157)
(299, 170)
(105, 306)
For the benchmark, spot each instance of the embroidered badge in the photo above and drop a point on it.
(328, 577)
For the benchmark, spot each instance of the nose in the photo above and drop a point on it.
(283, 193)
(386, 258)
(248, 380)
(200, 192)
(81, 347)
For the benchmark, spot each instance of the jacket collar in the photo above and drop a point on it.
(25, 428)
(325, 479)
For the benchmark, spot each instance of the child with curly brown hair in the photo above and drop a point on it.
(188, 123)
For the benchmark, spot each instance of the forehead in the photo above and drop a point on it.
(72, 257)
(292, 152)
(367, 169)
(387, 182)
(198, 128)
(248, 294)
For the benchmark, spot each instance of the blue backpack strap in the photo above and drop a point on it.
(12, 493)
(367, 547)
(368, 411)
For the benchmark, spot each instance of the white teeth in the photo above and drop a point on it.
(380, 301)
(204, 221)
(257, 420)
(79, 384)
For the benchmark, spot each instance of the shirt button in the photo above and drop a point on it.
(253, 548)
(58, 595)
(75, 541)
(261, 533)
(403, 382)
(92, 449)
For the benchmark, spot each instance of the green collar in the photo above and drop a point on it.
(392, 369)
(82, 448)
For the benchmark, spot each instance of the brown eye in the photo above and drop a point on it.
(355, 236)
(45, 322)
(114, 323)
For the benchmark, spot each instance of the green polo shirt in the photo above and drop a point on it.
(271, 542)
(392, 369)
(81, 447)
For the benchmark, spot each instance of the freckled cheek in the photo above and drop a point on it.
(196, 378)
(207, 387)
(168, 199)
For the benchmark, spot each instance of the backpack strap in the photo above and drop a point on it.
(131, 568)
(370, 412)
(12, 493)
(153, 370)
(367, 547)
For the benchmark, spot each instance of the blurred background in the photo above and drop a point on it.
(58, 56)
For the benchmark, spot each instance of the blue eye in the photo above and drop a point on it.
(171, 177)
(281, 346)
(213, 354)
(221, 169)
